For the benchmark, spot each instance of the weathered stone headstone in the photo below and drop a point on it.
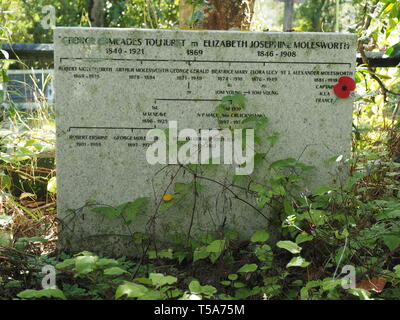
(113, 85)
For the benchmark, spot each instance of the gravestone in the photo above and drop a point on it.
(113, 85)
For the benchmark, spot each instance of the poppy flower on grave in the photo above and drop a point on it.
(344, 87)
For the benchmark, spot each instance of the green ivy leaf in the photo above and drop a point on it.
(159, 280)
(52, 185)
(273, 139)
(4, 74)
(256, 122)
(66, 263)
(6, 182)
(397, 270)
(108, 212)
(265, 254)
(44, 293)
(166, 254)
(248, 268)
(239, 285)
(114, 271)
(260, 236)
(362, 294)
(393, 51)
(131, 290)
(153, 295)
(85, 264)
(106, 262)
(297, 262)
(242, 293)
(289, 246)
(200, 253)
(303, 237)
(131, 209)
(237, 99)
(233, 276)
(391, 241)
(194, 286)
(5, 239)
(284, 163)
(217, 246)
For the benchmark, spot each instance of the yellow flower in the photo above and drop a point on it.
(168, 197)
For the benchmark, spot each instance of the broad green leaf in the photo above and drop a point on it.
(242, 293)
(165, 206)
(317, 217)
(106, 262)
(297, 262)
(85, 264)
(217, 246)
(214, 256)
(145, 281)
(289, 246)
(108, 212)
(330, 284)
(4, 72)
(273, 139)
(256, 122)
(159, 280)
(152, 295)
(208, 290)
(5, 239)
(130, 209)
(44, 293)
(397, 270)
(236, 99)
(258, 188)
(231, 234)
(303, 237)
(239, 285)
(200, 253)
(233, 276)
(194, 286)
(265, 254)
(66, 263)
(322, 190)
(248, 268)
(391, 241)
(362, 294)
(166, 254)
(393, 51)
(388, 214)
(114, 271)
(5, 182)
(284, 163)
(52, 185)
(131, 290)
(304, 167)
(260, 236)
(259, 158)
(84, 253)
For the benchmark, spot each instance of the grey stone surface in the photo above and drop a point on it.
(112, 85)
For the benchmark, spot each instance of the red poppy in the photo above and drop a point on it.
(344, 87)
